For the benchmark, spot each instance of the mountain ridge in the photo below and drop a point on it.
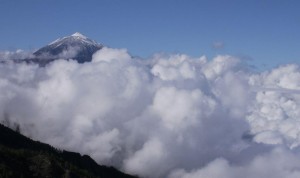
(23, 157)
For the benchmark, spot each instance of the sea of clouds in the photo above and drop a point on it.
(168, 116)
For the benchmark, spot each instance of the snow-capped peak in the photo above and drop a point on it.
(76, 37)
(80, 47)
(77, 34)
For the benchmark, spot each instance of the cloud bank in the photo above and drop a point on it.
(15, 55)
(167, 116)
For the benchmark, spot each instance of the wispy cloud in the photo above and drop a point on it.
(218, 45)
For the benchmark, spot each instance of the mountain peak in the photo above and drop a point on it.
(77, 34)
(76, 46)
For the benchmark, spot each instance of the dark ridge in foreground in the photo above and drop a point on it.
(22, 157)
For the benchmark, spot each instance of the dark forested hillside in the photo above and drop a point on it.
(23, 157)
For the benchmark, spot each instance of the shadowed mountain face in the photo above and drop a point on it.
(23, 157)
(76, 46)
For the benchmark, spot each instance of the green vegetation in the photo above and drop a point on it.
(21, 157)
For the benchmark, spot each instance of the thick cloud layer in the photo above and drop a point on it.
(168, 116)
(276, 164)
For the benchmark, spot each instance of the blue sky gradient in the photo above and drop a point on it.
(265, 31)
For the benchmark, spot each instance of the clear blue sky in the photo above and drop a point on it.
(266, 31)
